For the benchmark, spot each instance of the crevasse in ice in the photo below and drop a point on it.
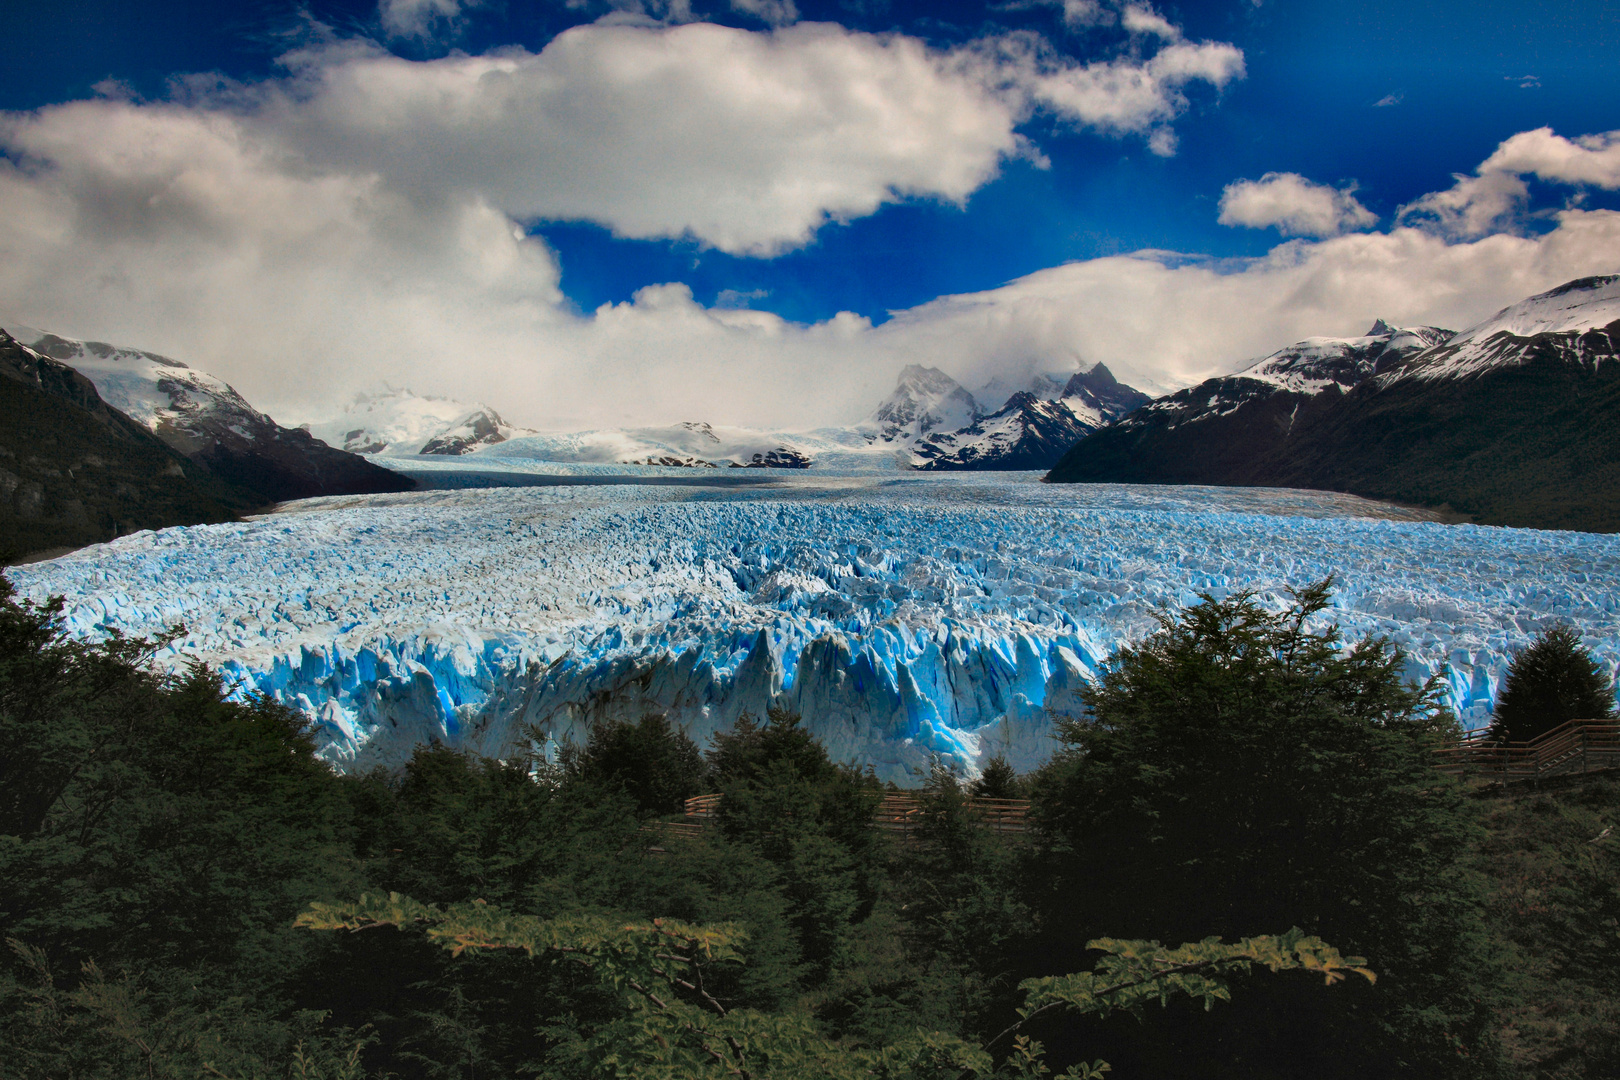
(903, 617)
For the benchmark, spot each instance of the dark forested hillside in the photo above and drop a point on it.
(1536, 444)
(1503, 424)
(74, 471)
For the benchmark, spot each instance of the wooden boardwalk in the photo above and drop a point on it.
(1579, 746)
(897, 812)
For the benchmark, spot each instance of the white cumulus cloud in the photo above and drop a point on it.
(746, 141)
(1125, 95)
(365, 219)
(1294, 205)
(1496, 194)
(1589, 159)
(1141, 19)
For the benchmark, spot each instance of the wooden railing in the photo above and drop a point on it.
(1577, 746)
(897, 812)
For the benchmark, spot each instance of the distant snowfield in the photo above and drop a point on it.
(902, 615)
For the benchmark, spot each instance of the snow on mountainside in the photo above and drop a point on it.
(178, 403)
(205, 419)
(1029, 433)
(75, 471)
(1092, 394)
(1310, 366)
(691, 445)
(1096, 398)
(392, 423)
(1578, 323)
(943, 426)
(925, 399)
(1304, 369)
(1514, 421)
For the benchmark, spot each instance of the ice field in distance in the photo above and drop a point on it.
(902, 615)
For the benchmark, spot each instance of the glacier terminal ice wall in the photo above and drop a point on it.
(902, 617)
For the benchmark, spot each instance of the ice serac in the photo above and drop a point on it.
(208, 422)
(951, 614)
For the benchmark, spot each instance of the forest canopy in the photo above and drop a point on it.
(186, 890)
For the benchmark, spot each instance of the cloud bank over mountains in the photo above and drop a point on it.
(366, 217)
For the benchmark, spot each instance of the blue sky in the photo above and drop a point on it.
(1352, 110)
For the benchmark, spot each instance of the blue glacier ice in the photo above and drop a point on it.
(902, 616)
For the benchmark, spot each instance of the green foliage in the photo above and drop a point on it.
(669, 1026)
(1134, 973)
(657, 765)
(1553, 860)
(146, 820)
(783, 798)
(1241, 770)
(959, 922)
(999, 780)
(1553, 680)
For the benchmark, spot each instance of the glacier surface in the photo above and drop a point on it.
(902, 616)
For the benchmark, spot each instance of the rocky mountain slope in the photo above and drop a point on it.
(1225, 429)
(209, 423)
(924, 400)
(1027, 433)
(940, 425)
(1514, 421)
(74, 471)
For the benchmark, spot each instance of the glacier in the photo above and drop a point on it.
(903, 616)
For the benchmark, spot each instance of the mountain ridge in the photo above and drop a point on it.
(1499, 426)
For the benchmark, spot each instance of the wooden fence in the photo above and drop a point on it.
(1578, 746)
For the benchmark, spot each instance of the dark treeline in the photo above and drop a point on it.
(1240, 776)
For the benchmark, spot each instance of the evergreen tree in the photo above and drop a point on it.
(999, 781)
(1240, 770)
(656, 764)
(1553, 680)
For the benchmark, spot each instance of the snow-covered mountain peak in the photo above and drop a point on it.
(925, 399)
(1570, 323)
(396, 422)
(1097, 398)
(1312, 365)
(1582, 304)
(1029, 432)
(1048, 385)
(163, 394)
(479, 428)
(207, 421)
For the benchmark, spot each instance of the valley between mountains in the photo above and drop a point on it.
(433, 573)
